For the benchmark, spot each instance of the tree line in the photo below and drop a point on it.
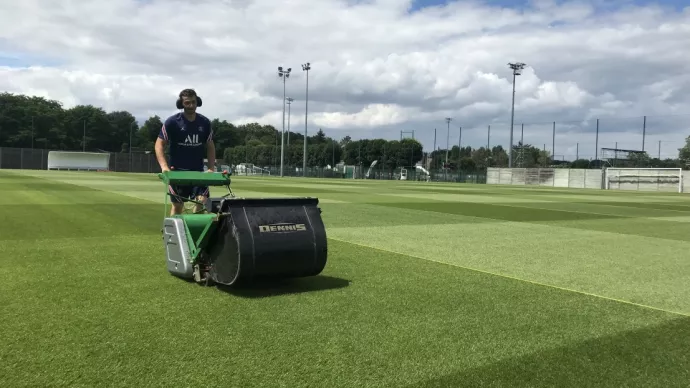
(38, 122)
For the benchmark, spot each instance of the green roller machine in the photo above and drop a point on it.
(234, 241)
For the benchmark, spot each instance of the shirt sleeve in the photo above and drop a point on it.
(163, 134)
(210, 132)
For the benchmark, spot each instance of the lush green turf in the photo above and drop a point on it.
(427, 285)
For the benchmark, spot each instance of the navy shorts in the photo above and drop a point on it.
(188, 192)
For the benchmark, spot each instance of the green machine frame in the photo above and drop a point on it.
(236, 240)
(198, 226)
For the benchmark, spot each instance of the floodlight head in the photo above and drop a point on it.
(306, 66)
(517, 67)
(284, 73)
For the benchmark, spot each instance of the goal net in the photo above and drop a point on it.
(250, 169)
(74, 160)
(644, 179)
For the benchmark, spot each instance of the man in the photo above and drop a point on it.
(190, 137)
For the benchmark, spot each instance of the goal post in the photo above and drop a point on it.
(250, 169)
(644, 179)
(75, 160)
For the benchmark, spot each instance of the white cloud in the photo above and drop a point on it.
(377, 69)
(370, 117)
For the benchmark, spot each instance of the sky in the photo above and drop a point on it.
(379, 68)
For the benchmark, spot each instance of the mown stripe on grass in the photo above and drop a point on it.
(152, 189)
(373, 318)
(367, 215)
(474, 198)
(672, 219)
(664, 231)
(580, 365)
(617, 209)
(38, 222)
(504, 212)
(651, 205)
(644, 271)
(577, 218)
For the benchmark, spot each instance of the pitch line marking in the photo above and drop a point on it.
(514, 278)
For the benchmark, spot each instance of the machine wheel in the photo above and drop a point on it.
(207, 282)
(201, 275)
(197, 274)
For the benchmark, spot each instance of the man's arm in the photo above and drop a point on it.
(160, 154)
(211, 150)
(161, 142)
(211, 155)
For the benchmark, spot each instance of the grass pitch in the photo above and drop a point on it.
(427, 285)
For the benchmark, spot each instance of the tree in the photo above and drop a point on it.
(684, 152)
(27, 121)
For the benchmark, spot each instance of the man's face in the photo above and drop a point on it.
(189, 104)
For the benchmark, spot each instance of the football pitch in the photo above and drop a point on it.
(426, 285)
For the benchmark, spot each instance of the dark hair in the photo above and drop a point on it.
(188, 93)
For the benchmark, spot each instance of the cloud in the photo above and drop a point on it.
(378, 67)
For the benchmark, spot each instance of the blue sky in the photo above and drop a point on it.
(677, 4)
(11, 55)
(13, 58)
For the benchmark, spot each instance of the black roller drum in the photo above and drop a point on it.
(268, 238)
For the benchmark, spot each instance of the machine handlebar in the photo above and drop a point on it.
(195, 178)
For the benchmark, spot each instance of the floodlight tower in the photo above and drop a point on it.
(288, 101)
(517, 70)
(305, 67)
(448, 119)
(284, 74)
